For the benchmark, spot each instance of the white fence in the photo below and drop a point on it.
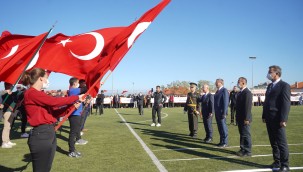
(124, 100)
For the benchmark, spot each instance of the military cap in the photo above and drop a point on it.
(192, 83)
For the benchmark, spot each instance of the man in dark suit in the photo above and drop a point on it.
(233, 102)
(221, 107)
(275, 114)
(243, 117)
(208, 110)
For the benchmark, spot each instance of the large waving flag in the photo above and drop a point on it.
(16, 51)
(121, 44)
(115, 50)
(77, 55)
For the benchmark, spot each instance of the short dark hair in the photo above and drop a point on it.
(221, 80)
(72, 81)
(277, 69)
(243, 79)
(81, 81)
(157, 86)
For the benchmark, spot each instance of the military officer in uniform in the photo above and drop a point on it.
(192, 108)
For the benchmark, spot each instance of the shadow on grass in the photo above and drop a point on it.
(134, 123)
(26, 158)
(182, 141)
(62, 151)
(128, 114)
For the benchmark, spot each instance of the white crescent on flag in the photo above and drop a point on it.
(138, 30)
(12, 52)
(97, 50)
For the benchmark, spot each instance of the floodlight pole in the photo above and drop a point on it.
(252, 71)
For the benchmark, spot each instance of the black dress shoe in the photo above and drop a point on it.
(190, 134)
(284, 169)
(240, 153)
(275, 165)
(209, 140)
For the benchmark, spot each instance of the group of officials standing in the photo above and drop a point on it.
(275, 114)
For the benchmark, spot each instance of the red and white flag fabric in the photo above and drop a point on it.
(120, 45)
(15, 53)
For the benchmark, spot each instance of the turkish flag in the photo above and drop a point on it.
(114, 50)
(123, 42)
(119, 46)
(15, 53)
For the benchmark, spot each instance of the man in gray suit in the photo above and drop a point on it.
(221, 107)
(275, 114)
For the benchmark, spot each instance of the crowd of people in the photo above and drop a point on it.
(42, 111)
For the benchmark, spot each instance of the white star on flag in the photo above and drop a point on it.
(63, 42)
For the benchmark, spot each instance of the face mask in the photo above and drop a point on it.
(45, 85)
(269, 76)
(239, 86)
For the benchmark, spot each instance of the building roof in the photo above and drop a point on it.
(297, 85)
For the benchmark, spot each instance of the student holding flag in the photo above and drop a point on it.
(42, 113)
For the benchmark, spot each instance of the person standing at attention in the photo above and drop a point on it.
(192, 108)
(276, 108)
(244, 117)
(221, 107)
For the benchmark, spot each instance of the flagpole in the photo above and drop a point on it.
(73, 108)
(23, 72)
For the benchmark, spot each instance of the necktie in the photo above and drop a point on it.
(270, 87)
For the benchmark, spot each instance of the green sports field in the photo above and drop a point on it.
(133, 145)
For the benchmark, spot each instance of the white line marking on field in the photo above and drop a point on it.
(148, 151)
(177, 149)
(221, 157)
(263, 169)
(166, 115)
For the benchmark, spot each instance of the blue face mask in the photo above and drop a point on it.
(239, 86)
(269, 76)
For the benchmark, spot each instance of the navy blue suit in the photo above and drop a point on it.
(221, 107)
(243, 113)
(207, 101)
(275, 110)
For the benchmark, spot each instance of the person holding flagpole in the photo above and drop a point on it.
(42, 113)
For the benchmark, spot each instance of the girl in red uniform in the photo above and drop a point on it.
(42, 113)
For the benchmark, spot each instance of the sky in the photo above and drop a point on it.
(190, 40)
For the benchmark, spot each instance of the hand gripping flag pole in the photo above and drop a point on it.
(85, 95)
(37, 50)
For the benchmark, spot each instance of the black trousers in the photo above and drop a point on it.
(42, 144)
(140, 108)
(24, 122)
(192, 123)
(156, 109)
(278, 142)
(84, 115)
(232, 113)
(74, 133)
(100, 108)
(245, 137)
(208, 127)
